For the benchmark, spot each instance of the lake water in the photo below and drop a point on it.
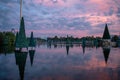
(61, 63)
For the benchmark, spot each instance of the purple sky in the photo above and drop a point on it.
(62, 17)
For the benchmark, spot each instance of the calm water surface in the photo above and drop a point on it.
(61, 63)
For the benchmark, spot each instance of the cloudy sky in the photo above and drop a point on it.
(61, 17)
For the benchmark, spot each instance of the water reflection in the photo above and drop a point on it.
(83, 44)
(20, 58)
(53, 63)
(106, 52)
(83, 48)
(67, 49)
(21, 63)
(6, 49)
(31, 54)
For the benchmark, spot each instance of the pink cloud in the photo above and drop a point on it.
(94, 12)
(95, 20)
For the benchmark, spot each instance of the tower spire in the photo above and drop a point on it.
(20, 9)
(21, 40)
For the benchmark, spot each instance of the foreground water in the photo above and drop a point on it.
(61, 63)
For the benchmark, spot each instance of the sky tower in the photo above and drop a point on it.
(20, 9)
(21, 43)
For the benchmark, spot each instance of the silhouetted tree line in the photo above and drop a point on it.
(7, 38)
(63, 39)
(71, 39)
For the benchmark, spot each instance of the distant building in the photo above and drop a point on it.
(115, 41)
(13, 30)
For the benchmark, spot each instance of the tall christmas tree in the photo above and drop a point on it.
(22, 40)
(32, 41)
(106, 34)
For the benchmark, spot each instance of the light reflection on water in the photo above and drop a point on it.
(61, 63)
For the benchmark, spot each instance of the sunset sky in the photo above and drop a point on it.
(62, 17)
